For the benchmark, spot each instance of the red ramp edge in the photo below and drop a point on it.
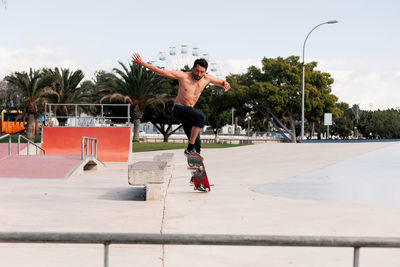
(114, 144)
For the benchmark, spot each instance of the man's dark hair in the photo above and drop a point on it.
(202, 62)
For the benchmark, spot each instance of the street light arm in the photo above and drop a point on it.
(328, 22)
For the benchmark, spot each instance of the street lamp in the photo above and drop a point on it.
(248, 119)
(302, 83)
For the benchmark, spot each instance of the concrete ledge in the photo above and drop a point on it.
(167, 157)
(153, 175)
(146, 172)
(155, 191)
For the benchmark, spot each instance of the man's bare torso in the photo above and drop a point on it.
(190, 89)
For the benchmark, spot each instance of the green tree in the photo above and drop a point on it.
(65, 89)
(214, 104)
(275, 91)
(31, 87)
(160, 114)
(9, 95)
(380, 123)
(365, 126)
(134, 85)
(319, 98)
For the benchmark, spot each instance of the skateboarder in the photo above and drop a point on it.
(191, 85)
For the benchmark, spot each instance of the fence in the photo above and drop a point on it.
(196, 239)
(49, 114)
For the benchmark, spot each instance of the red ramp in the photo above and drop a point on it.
(114, 144)
(14, 149)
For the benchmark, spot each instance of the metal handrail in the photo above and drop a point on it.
(9, 142)
(85, 141)
(102, 117)
(197, 239)
(27, 147)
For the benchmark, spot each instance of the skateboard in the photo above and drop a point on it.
(199, 175)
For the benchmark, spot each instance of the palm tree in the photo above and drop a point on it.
(31, 88)
(65, 90)
(134, 85)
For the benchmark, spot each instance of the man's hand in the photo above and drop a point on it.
(226, 86)
(166, 73)
(137, 59)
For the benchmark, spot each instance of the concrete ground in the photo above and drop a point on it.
(102, 201)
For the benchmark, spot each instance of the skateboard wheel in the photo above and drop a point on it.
(194, 188)
(201, 168)
(207, 190)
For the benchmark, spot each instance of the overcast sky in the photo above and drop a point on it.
(361, 51)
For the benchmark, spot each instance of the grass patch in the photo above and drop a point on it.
(143, 147)
(14, 139)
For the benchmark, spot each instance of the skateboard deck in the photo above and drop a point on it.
(199, 175)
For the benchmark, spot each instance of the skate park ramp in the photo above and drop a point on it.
(55, 166)
(114, 144)
(4, 149)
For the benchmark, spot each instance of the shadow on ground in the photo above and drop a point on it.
(125, 194)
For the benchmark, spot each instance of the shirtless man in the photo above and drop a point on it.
(191, 85)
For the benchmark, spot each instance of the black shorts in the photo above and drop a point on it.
(188, 115)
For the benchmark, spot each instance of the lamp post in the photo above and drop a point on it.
(302, 83)
(248, 119)
(233, 121)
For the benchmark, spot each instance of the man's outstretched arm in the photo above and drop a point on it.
(221, 83)
(166, 73)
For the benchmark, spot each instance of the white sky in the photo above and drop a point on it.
(361, 51)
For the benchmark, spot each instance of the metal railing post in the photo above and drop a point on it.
(18, 147)
(106, 249)
(102, 114)
(50, 113)
(356, 259)
(9, 145)
(86, 142)
(76, 115)
(9, 142)
(83, 147)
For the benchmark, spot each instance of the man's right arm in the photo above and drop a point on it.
(166, 73)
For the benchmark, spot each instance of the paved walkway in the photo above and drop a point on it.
(102, 201)
(371, 178)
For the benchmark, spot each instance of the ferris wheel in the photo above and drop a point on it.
(176, 58)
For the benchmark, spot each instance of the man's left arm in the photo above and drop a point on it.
(221, 83)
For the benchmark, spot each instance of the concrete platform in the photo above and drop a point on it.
(38, 166)
(370, 178)
(102, 201)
